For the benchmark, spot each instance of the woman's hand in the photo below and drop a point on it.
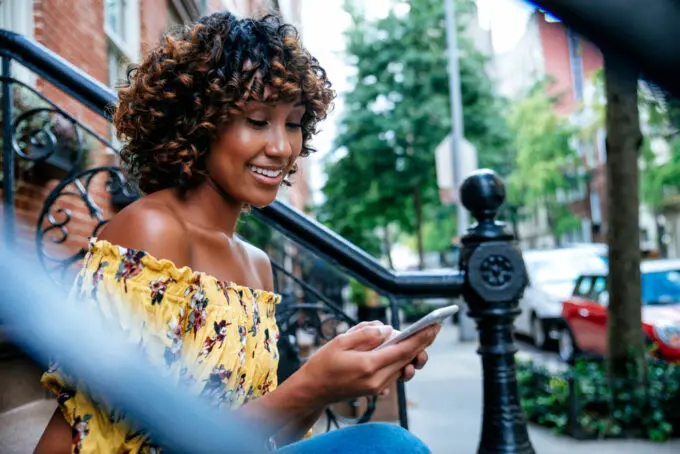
(347, 367)
(409, 371)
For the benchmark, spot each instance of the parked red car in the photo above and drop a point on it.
(585, 312)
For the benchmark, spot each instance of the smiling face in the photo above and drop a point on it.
(255, 151)
(206, 120)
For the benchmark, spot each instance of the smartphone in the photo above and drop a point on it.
(436, 316)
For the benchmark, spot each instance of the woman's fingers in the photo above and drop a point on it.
(408, 373)
(420, 360)
(363, 324)
(395, 357)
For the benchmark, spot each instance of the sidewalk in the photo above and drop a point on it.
(445, 408)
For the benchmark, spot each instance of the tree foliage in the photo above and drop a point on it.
(660, 114)
(659, 177)
(397, 112)
(545, 161)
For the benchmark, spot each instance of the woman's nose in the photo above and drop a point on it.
(279, 143)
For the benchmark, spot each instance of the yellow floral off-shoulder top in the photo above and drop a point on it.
(215, 337)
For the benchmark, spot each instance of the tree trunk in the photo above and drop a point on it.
(418, 209)
(387, 246)
(624, 139)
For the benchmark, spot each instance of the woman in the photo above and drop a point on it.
(213, 123)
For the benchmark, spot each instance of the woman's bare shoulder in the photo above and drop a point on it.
(261, 263)
(150, 224)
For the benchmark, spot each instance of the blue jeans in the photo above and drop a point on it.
(371, 438)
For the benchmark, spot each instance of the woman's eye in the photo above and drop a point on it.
(257, 123)
(294, 125)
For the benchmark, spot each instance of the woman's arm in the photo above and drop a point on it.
(343, 369)
(289, 411)
(307, 417)
(304, 419)
(57, 436)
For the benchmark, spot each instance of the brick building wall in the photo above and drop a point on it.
(554, 38)
(570, 61)
(74, 29)
(557, 64)
(153, 23)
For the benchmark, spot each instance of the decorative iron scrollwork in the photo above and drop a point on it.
(54, 220)
(41, 132)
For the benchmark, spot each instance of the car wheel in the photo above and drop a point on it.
(538, 335)
(566, 345)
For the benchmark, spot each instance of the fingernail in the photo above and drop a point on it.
(385, 330)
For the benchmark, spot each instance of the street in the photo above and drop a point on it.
(445, 406)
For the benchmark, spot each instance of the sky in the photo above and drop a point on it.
(323, 25)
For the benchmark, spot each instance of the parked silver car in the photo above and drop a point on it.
(552, 274)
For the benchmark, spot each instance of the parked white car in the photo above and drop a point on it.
(552, 275)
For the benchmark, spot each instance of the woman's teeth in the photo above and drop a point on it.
(266, 172)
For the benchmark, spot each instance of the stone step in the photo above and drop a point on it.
(21, 427)
(19, 379)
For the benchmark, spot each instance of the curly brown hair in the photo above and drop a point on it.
(172, 104)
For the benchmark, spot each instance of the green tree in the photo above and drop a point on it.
(545, 162)
(397, 112)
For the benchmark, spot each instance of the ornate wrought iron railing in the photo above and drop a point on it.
(491, 277)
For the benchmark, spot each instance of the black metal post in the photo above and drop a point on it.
(495, 278)
(401, 388)
(7, 153)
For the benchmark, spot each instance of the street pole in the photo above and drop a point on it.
(457, 134)
(465, 323)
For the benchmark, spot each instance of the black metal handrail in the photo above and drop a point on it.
(59, 72)
(354, 260)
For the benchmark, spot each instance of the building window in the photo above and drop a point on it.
(595, 209)
(602, 145)
(121, 25)
(115, 16)
(644, 236)
(576, 62)
(17, 16)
